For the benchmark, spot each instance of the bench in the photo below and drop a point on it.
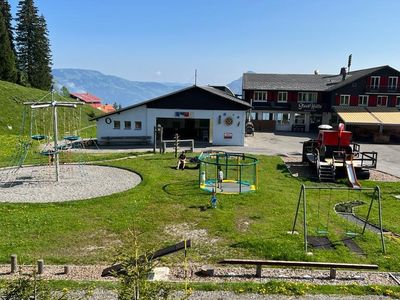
(166, 142)
(304, 264)
(137, 140)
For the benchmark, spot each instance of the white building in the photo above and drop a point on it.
(203, 113)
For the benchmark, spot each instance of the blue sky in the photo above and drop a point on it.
(160, 40)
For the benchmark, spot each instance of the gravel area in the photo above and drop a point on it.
(222, 295)
(36, 184)
(311, 276)
(221, 274)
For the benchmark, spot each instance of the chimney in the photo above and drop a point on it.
(343, 73)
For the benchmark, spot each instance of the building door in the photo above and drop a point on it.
(315, 121)
(283, 122)
(197, 129)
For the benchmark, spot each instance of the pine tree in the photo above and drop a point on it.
(33, 46)
(5, 8)
(8, 71)
(42, 77)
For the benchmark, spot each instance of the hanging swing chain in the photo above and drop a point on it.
(329, 209)
(318, 208)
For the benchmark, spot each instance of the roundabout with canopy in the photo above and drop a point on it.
(239, 172)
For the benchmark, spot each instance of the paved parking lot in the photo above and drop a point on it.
(290, 144)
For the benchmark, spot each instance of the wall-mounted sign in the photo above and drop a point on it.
(228, 135)
(309, 106)
(228, 121)
(108, 120)
(183, 114)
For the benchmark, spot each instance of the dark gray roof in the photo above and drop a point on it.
(301, 82)
(209, 89)
(223, 94)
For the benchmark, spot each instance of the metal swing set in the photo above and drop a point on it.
(324, 229)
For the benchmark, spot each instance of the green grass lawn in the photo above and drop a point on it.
(19, 119)
(167, 207)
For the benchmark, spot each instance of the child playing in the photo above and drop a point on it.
(213, 199)
(220, 178)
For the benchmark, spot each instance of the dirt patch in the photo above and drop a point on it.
(242, 224)
(299, 169)
(188, 231)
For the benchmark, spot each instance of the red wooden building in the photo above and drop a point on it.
(302, 102)
(93, 101)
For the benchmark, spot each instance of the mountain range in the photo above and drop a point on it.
(113, 89)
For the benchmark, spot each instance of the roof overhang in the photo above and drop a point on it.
(369, 116)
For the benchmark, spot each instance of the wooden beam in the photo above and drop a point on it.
(327, 265)
(119, 268)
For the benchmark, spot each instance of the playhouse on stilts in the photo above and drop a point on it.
(334, 155)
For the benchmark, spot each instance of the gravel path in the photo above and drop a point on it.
(221, 295)
(221, 274)
(36, 184)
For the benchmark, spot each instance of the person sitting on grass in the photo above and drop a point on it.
(181, 161)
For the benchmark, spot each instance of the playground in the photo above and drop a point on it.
(171, 205)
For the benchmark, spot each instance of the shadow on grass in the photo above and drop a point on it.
(158, 158)
(185, 188)
(201, 207)
(282, 168)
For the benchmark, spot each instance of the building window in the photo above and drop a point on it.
(138, 125)
(283, 118)
(267, 116)
(344, 100)
(398, 101)
(363, 100)
(299, 119)
(307, 97)
(375, 82)
(393, 80)
(260, 96)
(128, 125)
(382, 101)
(253, 116)
(282, 97)
(117, 125)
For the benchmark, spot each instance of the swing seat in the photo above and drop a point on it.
(48, 152)
(62, 147)
(351, 234)
(72, 138)
(39, 137)
(322, 231)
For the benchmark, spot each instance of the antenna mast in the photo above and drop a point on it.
(195, 76)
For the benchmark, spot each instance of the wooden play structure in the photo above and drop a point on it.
(333, 155)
